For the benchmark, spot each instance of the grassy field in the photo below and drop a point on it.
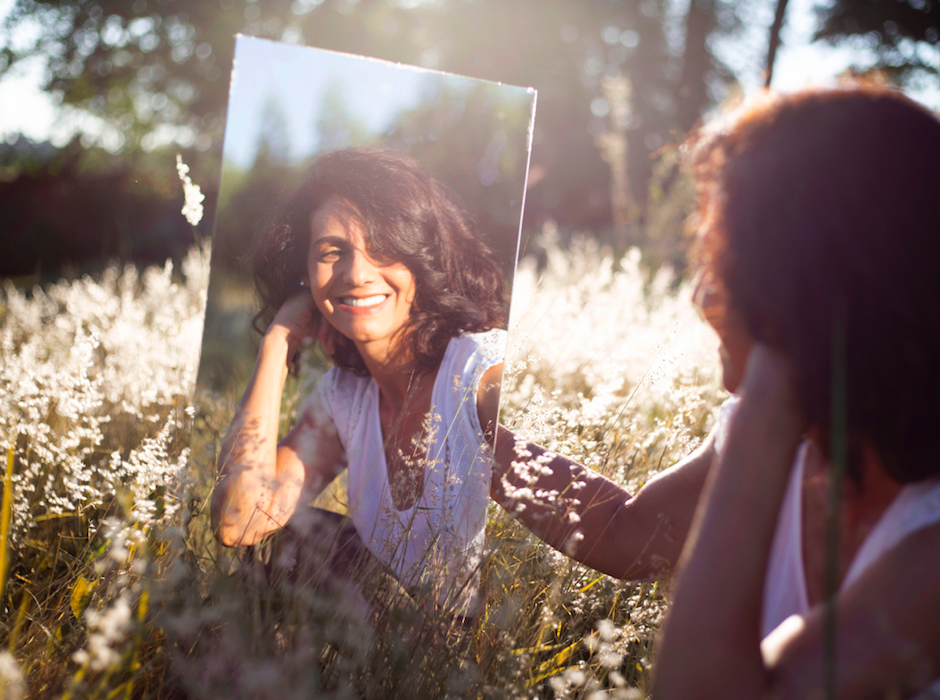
(113, 588)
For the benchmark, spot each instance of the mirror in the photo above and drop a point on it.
(399, 181)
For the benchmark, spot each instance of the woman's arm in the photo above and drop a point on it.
(261, 482)
(711, 643)
(636, 538)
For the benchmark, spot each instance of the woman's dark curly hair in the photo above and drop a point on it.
(409, 218)
(820, 210)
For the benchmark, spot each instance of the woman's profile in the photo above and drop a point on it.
(819, 236)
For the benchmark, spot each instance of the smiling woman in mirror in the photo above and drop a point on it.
(376, 260)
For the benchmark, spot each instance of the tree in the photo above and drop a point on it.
(774, 43)
(144, 65)
(273, 139)
(905, 34)
(449, 130)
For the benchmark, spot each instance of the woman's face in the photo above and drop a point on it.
(736, 342)
(363, 299)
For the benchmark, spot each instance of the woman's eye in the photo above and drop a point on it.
(331, 255)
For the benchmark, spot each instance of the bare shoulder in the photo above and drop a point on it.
(888, 638)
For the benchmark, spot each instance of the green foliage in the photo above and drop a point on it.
(335, 125)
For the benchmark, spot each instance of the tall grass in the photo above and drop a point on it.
(116, 590)
(94, 388)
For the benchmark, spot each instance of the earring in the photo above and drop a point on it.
(303, 283)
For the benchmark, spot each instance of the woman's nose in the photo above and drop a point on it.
(359, 270)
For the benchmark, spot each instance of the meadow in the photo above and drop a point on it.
(112, 586)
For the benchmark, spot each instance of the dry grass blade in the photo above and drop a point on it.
(5, 511)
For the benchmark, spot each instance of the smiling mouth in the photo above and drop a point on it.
(364, 301)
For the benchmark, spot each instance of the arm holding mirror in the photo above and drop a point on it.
(262, 482)
(637, 537)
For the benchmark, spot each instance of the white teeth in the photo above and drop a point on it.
(367, 301)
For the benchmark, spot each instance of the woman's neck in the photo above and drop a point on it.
(393, 369)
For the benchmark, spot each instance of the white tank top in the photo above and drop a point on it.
(915, 507)
(437, 544)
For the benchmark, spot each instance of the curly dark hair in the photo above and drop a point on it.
(821, 208)
(409, 217)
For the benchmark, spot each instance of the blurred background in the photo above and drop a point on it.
(97, 97)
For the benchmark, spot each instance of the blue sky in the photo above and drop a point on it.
(296, 76)
(375, 92)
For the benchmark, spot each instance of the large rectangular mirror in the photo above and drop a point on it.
(362, 265)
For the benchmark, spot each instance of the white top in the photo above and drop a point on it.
(915, 507)
(437, 544)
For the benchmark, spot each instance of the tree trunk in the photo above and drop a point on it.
(774, 40)
(693, 91)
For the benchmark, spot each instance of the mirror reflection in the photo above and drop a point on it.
(356, 328)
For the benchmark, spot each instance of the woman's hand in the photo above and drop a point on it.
(887, 641)
(720, 590)
(768, 384)
(261, 482)
(297, 321)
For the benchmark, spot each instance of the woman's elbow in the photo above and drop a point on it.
(226, 536)
(642, 548)
(226, 525)
(224, 533)
(235, 534)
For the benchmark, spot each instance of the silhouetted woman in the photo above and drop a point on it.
(821, 235)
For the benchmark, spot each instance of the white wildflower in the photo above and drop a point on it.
(106, 630)
(12, 683)
(571, 544)
(558, 685)
(601, 350)
(575, 676)
(606, 629)
(82, 356)
(193, 196)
